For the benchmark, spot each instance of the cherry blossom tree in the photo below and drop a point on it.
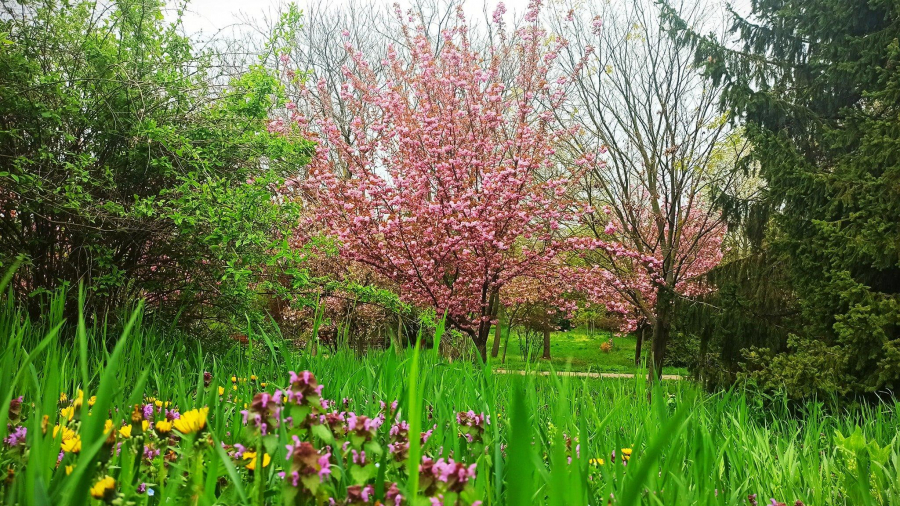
(447, 183)
(673, 264)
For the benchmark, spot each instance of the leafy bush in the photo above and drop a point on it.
(125, 165)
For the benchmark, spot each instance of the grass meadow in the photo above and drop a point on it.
(139, 417)
(579, 350)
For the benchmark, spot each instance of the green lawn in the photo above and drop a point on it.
(579, 350)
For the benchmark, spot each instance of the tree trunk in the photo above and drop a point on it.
(481, 339)
(498, 330)
(546, 344)
(660, 337)
(505, 346)
(641, 331)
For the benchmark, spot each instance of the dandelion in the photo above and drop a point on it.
(192, 421)
(125, 431)
(71, 442)
(105, 489)
(68, 413)
(251, 456)
(163, 427)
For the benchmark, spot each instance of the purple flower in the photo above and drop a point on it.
(17, 436)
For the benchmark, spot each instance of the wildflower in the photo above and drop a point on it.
(359, 494)
(597, 462)
(776, 503)
(150, 452)
(626, 454)
(221, 390)
(309, 466)
(105, 489)
(79, 399)
(68, 413)
(752, 499)
(125, 431)
(253, 377)
(263, 411)
(63, 397)
(15, 409)
(234, 379)
(207, 378)
(69, 470)
(71, 442)
(471, 425)
(393, 495)
(304, 389)
(192, 421)
(362, 427)
(163, 427)
(445, 474)
(251, 456)
(17, 436)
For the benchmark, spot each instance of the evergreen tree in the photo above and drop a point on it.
(817, 85)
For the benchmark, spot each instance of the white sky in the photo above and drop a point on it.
(210, 16)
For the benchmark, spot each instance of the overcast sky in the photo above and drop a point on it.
(209, 16)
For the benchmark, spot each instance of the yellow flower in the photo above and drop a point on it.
(67, 432)
(221, 390)
(125, 430)
(626, 453)
(263, 384)
(71, 445)
(67, 413)
(253, 377)
(71, 442)
(234, 379)
(92, 401)
(69, 470)
(597, 462)
(78, 400)
(164, 426)
(251, 456)
(234, 387)
(104, 489)
(108, 426)
(192, 421)
(63, 397)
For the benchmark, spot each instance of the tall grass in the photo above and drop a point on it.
(543, 446)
